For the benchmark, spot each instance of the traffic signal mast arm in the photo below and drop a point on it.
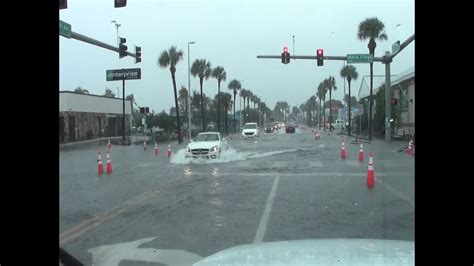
(80, 37)
(312, 57)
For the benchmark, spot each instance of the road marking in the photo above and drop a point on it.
(400, 194)
(262, 226)
(362, 174)
(87, 225)
(111, 255)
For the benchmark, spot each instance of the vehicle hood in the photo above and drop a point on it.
(203, 144)
(317, 252)
(249, 130)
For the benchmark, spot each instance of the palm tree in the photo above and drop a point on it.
(243, 94)
(330, 84)
(249, 95)
(109, 93)
(170, 58)
(183, 99)
(227, 103)
(322, 97)
(81, 90)
(202, 69)
(220, 75)
(349, 72)
(312, 101)
(235, 86)
(285, 107)
(371, 28)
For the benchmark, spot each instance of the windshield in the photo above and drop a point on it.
(207, 137)
(191, 127)
(250, 126)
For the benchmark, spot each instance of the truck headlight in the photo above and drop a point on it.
(214, 148)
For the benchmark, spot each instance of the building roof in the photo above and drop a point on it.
(78, 102)
(364, 89)
(404, 75)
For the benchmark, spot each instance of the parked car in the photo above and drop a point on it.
(208, 145)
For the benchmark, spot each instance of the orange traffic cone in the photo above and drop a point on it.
(343, 151)
(100, 165)
(410, 148)
(109, 163)
(169, 151)
(156, 149)
(361, 153)
(108, 145)
(371, 172)
(144, 145)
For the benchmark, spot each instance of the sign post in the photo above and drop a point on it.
(123, 74)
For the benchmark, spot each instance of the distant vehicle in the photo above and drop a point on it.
(269, 130)
(250, 130)
(208, 145)
(290, 128)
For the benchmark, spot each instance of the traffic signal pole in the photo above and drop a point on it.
(386, 59)
(83, 38)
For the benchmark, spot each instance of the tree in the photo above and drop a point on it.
(227, 103)
(372, 29)
(202, 69)
(234, 85)
(219, 74)
(171, 58)
(249, 95)
(243, 94)
(330, 84)
(109, 93)
(322, 97)
(164, 121)
(349, 72)
(183, 100)
(81, 90)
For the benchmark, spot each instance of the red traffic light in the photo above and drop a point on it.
(320, 52)
(285, 49)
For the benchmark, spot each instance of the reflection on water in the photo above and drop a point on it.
(216, 202)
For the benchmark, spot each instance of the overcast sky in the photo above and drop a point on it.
(230, 34)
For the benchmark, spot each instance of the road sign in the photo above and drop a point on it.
(359, 58)
(123, 74)
(65, 29)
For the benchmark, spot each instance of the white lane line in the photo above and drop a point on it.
(262, 227)
(400, 194)
(363, 174)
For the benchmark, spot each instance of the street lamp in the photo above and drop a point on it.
(189, 93)
(116, 26)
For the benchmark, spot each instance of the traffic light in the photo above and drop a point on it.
(319, 57)
(120, 3)
(142, 110)
(147, 110)
(122, 47)
(138, 53)
(285, 56)
(62, 4)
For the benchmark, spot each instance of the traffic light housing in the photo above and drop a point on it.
(138, 53)
(142, 110)
(62, 4)
(147, 110)
(122, 47)
(120, 3)
(285, 56)
(319, 57)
